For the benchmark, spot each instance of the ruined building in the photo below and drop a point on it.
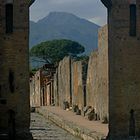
(81, 85)
(124, 68)
(41, 86)
(14, 66)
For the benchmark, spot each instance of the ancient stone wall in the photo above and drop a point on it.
(35, 89)
(91, 87)
(97, 78)
(64, 81)
(32, 91)
(124, 68)
(72, 83)
(14, 64)
(102, 70)
(48, 93)
(41, 89)
(77, 86)
(56, 95)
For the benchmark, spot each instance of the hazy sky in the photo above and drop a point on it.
(92, 10)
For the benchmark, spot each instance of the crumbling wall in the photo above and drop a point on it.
(56, 96)
(103, 80)
(42, 89)
(72, 83)
(64, 81)
(32, 91)
(35, 89)
(78, 83)
(77, 86)
(48, 91)
(91, 87)
(97, 79)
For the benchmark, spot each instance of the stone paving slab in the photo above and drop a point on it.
(77, 125)
(44, 129)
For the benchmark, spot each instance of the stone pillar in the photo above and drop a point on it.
(102, 74)
(64, 81)
(79, 74)
(91, 85)
(124, 68)
(55, 89)
(48, 94)
(14, 64)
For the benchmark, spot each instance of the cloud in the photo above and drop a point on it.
(88, 9)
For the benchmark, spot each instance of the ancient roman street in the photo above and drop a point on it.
(43, 129)
(73, 94)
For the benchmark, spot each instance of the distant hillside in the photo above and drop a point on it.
(61, 25)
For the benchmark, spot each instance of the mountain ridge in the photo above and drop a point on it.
(62, 25)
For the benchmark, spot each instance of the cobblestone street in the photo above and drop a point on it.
(43, 129)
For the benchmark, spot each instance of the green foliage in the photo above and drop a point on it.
(55, 50)
(33, 71)
(82, 58)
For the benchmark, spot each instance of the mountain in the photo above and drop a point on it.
(61, 25)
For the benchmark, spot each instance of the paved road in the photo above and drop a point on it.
(43, 129)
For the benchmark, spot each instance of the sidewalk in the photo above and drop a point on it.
(77, 125)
